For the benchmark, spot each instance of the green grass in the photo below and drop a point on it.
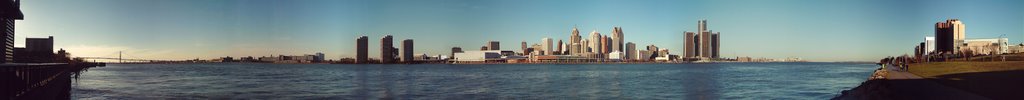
(996, 80)
(931, 70)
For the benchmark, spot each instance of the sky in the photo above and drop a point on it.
(816, 30)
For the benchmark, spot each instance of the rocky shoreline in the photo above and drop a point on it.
(875, 88)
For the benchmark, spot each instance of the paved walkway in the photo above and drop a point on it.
(895, 74)
(908, 86)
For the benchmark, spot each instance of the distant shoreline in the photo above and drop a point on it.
(503, 63)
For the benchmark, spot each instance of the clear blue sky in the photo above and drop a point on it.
(818, 30)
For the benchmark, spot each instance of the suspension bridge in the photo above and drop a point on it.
(121, 57)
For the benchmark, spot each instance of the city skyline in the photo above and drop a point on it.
(838, 30)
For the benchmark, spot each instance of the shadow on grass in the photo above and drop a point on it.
(999, 85)
(906, 89)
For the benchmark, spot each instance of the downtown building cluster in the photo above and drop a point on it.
(389, 54)
(702, 45)
(950, 41)
(595, 47)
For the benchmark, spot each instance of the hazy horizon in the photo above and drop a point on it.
(842, 30)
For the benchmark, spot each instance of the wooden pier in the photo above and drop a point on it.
(39, 81)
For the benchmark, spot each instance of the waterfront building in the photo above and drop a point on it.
(585, 46)
(558, 50)
(714, 45)
(362, 50)
(482, 48)
(478, 56)
(616, 55)
(987, 46)
(11, 11)
(41, 45)
(37, 50)
(1019, 48)
(562, 58)
(643, 55)
(538, 49)
(929, 44)
(575, 39)
(546, 46)
(653, 49)
(689, 45)
(525, 52)
(630, 51)
(595, 42)
(617, 39)
(493, 45)
(575, 46)
(387, 50)
(319, 57)
(407, 50)
(949, 35)
(705, 44)
(455, 50)
(663, 52)
(604, 45)
(919, 51)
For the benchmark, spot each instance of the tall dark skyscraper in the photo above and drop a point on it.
(361, 49)
(10, 10)
(705, 39)
(387, 50)
(455, 50)
(493, 45)
(949, 35)
(407, 50)
(689, 45)
(558, 48)
(714, 45)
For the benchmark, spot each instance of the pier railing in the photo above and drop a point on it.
(21, 81)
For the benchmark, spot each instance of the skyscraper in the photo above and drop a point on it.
(595, 42)
(653, 50)
(617, 39)
(546, 46)
(689, 45)
(929, 44)
(11, 11)
(605, 45)
(630, 50)
(714, 45)
(575, 46)
(949, 35)
(558, 50)
(493, 45)
(585, 46)
(455, 50)
(407, 50)
(524, 48)
(361, 49)
(705, 39)
(387, 50)
(575, 39)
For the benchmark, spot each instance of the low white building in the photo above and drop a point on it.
(987, 46)
(616, 55)
(478, 55)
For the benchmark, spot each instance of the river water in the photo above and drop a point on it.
(498, 81)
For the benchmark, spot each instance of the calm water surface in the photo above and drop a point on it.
(442, 81)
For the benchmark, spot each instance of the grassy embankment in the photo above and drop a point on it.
(980, 75)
